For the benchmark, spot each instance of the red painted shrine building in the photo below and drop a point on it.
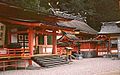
(109, 36)
(24, 33)
(37, 33)
(82, 39)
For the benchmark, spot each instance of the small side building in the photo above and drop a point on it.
(83, 32)
(110, 36)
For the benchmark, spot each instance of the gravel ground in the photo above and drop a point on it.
(89, 66)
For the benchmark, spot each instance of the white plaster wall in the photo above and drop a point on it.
(14, 38)
(48, 50)
(119, 47)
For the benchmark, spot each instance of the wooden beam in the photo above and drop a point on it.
(45, 32)
(20, 23)
(42, 25)
(19, 32)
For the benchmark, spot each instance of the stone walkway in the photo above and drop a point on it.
(91, 66)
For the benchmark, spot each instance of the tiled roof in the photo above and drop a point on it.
(11, 12)
(20, 14)
(70, 36)
(109, 28)
(78, 25)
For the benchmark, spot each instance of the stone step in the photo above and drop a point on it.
(52, 61)
(38, 57)
(49, 61)
(55, 64)
(46, 60)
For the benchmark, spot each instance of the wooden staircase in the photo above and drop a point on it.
(49, 60)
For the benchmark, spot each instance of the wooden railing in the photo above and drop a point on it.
(11, 57)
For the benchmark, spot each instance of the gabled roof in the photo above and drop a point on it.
(109, 28)
(69, 36)
(18, 14)
(14, 13)
(78, 25)
(21, 14)
(67, 39)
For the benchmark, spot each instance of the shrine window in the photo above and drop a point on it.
(22, 39)
(114, 46)
(114, 43)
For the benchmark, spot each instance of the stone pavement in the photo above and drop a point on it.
(88, 66)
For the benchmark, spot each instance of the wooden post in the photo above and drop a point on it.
(45, 42)
(97, 48)
(30, 39)
(89, 46)
(9, 37)
(54, 40)
(109, 43)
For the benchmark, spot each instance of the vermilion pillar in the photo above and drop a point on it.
(30, 39)
(54, 40)
(109, 44)
(89, 46)
(97, 49)
(45, 42)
